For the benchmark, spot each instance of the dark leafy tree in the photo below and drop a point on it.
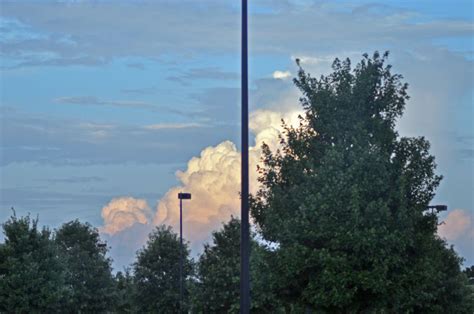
(469, 271)
(218, 275)
(344, 202)
(218, 272)
(124, 291)
(156, 273)
(31, 274)
(89, 269)
(263, 297)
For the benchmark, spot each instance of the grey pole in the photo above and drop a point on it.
(180, 255)
(181, 196)
(244, 215)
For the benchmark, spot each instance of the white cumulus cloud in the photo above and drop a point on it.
(458, 229)
(213, 179)
(123, 212)
(281, 75)
(458, 223)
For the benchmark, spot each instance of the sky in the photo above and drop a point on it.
(110, 108)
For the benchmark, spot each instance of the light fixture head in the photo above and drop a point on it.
(184, 196)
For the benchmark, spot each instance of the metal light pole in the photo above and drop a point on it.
(181, 196)
(438, 208)
(244, 214)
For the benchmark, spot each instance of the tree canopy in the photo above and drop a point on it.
(341, 221)
(217, 287)
(156, 272)
(345, 201)
(32, 278)
(89, 270)
(218, 272)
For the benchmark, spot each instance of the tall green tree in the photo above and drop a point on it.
(218, 272)
(32, 277)
(345, 201)
(124, 291)
(156, 273)
(469, 271)
(217, 287)
(88, 268)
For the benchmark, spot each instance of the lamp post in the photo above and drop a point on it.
(438, 208)
(244, 213)
(181, 196)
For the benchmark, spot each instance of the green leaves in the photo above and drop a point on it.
(217, 285)
(341, 209)
(218, 272)
(156, 273)
(345, 200)
(89, 278)
(62, 272)
(32, 278)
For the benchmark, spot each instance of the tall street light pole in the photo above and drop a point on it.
(438, 208)
(244, 214)
(181, 196)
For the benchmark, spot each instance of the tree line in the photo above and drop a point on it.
(341, 222)
(68, 271)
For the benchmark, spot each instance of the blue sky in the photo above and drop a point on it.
(102, 100)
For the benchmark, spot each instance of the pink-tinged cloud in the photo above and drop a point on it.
(213, 179)
(123, 212)
(458, 224)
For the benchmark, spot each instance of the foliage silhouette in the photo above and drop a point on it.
(32, 277)
(345, 202)
(88, 269)
(217, 288)
(156, 273)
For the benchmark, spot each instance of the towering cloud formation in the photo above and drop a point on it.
(458, 224)
(123, 212)
(213, 178)
(458, 230)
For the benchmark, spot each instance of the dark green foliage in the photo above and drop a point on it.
(124, 289)
(218, 275)
(89, 270)
(157, 273)
(263, 298)
(343, 205)
(31, 275)
(218, 272)
(469, 271)
(345, 200)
